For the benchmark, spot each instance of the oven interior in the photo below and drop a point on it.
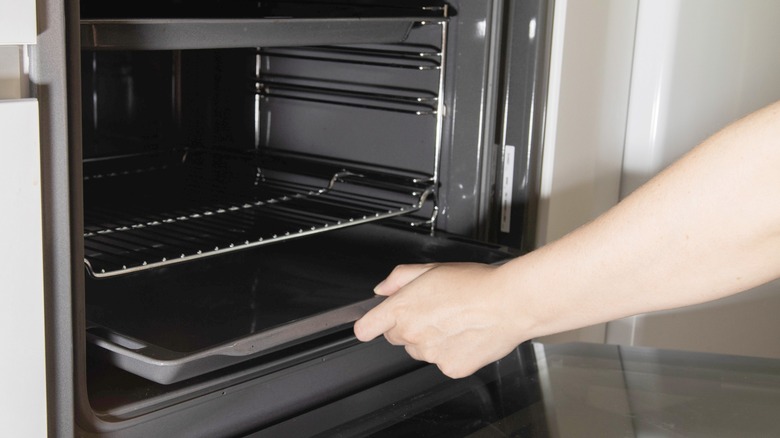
(241, 200)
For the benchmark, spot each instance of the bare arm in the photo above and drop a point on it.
(706, 227)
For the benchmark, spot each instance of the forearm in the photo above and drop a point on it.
(706, 227)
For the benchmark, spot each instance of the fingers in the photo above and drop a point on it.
(432, 313)
(375, 322)
(380, 319)
(400, 277)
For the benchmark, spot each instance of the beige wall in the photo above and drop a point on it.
(681, 69)
(590, 77)
(716, 61)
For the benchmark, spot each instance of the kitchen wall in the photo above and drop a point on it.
(590, 78)
(678, 70)
(716, 61)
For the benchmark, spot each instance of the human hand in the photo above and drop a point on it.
(458, 316)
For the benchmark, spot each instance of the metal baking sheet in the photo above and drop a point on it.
(185, 320)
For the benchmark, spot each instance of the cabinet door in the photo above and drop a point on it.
(17, 28)
(17, 22)
(22, 370)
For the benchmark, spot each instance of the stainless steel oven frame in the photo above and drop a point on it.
(487, 107)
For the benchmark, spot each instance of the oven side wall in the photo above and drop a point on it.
(496, 99)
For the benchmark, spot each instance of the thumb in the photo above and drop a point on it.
(400, 277)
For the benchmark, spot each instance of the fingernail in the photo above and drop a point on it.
(378, 287)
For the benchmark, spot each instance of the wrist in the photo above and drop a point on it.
(518, 300)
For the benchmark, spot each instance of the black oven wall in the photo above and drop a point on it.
(367, 104)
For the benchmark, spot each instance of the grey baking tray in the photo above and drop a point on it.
(184, 320)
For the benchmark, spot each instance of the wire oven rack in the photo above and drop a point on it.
(197, 204)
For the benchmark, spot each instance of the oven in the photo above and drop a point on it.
(236, 177)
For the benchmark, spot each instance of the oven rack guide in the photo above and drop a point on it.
(166, 239)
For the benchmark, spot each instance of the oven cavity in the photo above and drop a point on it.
(192, 152)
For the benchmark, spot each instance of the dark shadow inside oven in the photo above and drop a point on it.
(240, 205)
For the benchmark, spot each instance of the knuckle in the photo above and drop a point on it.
(400, 269)
(393, 339)
(418, 353)
(410, 269)
(454, 370)
(412, 352)
(449, 370)
(445, 369)
(413, 337)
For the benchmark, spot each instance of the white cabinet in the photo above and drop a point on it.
(17, 22)
(22, 370)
